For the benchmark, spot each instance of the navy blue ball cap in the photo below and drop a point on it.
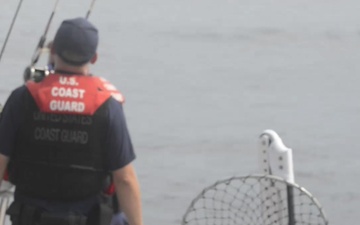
(76, 41)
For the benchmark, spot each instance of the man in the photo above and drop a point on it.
(63, 135)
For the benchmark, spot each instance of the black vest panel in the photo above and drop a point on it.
(59, 156)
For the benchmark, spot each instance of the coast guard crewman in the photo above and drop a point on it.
(62, 137)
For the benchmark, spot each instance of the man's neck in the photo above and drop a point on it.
(71, 71)
(80, 70)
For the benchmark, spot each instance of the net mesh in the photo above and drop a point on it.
(254, 200)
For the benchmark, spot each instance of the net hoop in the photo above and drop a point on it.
(188, 218)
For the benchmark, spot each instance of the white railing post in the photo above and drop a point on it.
(276, 159)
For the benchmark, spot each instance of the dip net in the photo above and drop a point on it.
(254, 200)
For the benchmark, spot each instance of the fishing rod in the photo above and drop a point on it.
(41, 43)
(90, 9)
(10, 29)
(38, 73)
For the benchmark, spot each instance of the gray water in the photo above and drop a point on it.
(203, 78)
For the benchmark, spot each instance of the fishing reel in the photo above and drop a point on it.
(36, 74)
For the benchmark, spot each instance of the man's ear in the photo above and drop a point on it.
(94, 59)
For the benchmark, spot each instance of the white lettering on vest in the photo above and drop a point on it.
(46, 134)
(68, 81)
(67, 92)
(110, 87)
(67, 106)
(59, 135)
(74, 136)
(118, 97)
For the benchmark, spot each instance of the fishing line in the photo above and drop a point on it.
(40, 46)
(10, 29)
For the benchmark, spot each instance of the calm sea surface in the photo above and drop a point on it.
(203, 78)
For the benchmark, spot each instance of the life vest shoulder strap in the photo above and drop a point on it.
(115, 93)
